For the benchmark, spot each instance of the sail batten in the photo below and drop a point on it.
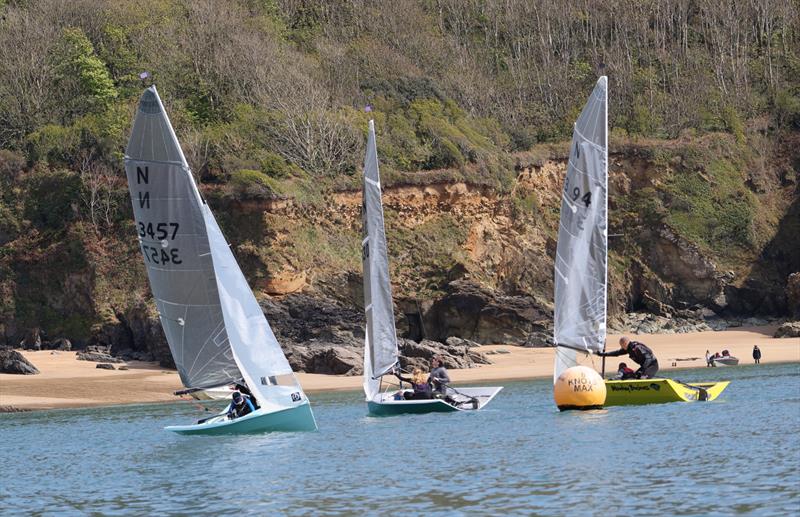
(380, 344)
(581, 254)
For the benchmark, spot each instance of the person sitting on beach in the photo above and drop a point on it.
(418, 381)
(438, 377)
(624, 373)
(240, 406)
(641, 355)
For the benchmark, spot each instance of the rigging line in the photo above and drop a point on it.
(583, 350)
(195, 403)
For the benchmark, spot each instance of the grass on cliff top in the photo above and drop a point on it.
(707, 200)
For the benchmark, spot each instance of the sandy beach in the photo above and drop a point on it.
(66, 382)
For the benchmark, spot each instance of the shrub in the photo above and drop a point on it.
(253, 184)
(50, 198)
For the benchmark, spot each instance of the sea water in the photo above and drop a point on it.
(737, 455)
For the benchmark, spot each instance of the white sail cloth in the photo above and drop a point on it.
(215, 328)
(580, 263)
(380, 345)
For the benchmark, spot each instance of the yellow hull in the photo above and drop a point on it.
(659, 391)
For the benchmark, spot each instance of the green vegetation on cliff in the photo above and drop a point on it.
(268, 97)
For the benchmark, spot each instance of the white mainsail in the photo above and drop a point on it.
(215, 328)
(380, 345)
(580, 263)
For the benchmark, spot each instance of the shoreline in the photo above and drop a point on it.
(65, 382)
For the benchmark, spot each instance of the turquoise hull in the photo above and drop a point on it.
(298, 418)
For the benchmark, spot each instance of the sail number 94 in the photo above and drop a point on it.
(576, 193)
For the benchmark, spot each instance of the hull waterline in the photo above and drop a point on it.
(660, 391)
(385, 405)
(298, 418)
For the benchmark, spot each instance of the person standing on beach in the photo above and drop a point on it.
(757, 354)
(708, 358)
(639, 353)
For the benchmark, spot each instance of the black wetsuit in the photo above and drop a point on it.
(757, 355)
(245, 408)
(641, 355)
(245, 391)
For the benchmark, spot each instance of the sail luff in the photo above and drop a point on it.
(581, 272)
(381, 337)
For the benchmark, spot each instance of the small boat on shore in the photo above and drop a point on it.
(726, 360)
(380, 342)
(215, 328)
(658, 391)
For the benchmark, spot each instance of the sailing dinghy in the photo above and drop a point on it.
(380, 345)
(581, 272)
(216, 331)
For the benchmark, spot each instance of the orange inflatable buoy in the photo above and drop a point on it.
(579, 387)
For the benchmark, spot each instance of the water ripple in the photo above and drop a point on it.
(738, 455)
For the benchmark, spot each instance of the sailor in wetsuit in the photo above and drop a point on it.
(438, 377)
(639, 353)
(240, 406)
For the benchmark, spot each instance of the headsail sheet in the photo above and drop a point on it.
(173, 239)
(580, 264)
(381, 336)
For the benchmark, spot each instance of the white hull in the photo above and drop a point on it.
(726, 361)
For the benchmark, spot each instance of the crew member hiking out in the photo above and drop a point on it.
(240, 406)
(639, 353)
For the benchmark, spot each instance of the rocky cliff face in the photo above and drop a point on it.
(470, 258)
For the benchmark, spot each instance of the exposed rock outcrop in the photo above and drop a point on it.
(32, 339)
(788, 329)
(413, 354)
(482, 315)
(105, 366)
(12, 361)
(62, 344)
(793, 295)
(99, 354)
